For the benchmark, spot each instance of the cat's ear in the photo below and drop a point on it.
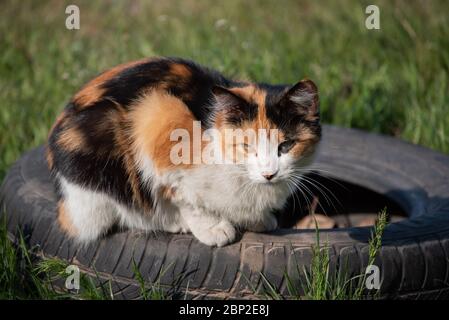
(234, 107)
(304, 96)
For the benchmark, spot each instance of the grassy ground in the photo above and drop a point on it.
(394, 80)
(23, 276)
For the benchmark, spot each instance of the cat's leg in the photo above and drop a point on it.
(267, 222)
(208, 229)
(165, 217)
(177, 225)
(84, 214)
(170, 218)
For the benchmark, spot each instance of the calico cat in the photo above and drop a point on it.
(111, 151)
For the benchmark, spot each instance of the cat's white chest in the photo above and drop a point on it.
(227, 191)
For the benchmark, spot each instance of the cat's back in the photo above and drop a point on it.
(124, 83)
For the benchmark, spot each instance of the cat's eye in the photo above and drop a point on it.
(285, 146)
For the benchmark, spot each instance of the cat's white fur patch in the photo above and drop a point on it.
(93, 213)
(90, 212)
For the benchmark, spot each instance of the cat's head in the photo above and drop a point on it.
(277, 128)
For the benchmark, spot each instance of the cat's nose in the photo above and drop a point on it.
(268, 175)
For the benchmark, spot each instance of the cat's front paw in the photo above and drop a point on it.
(218, 235)
(269, 223)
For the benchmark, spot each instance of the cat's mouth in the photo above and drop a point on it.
(270, 182)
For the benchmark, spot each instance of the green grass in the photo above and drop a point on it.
(21, 277)
(24, 276)
(394, 80)
(323, 284)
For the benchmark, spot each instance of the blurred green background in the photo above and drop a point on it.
(394, 80)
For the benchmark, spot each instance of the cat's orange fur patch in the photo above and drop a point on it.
(92, 91)
(167, 192)
(180, 70)
(65, 221)
(49, 157)
(90, 94)
(306, 145)
(58, 122)
(152, 120)
(48, 153)
(256, 95)
(72, 139)
(302, 148)
(250, 93)
(114, 122)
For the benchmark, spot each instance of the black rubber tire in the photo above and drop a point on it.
(413, 259)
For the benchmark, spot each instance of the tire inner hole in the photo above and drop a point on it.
(335, 203)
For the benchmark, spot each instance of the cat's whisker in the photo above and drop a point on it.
(295, 196)
(311, 179)
(300, 186)
(319, 172)
(297, 180)
(317, 185)
(323, 193)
